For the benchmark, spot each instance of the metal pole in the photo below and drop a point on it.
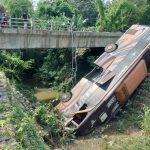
(51, 24)
(10, 22)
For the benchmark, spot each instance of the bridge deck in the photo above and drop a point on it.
(11, 38)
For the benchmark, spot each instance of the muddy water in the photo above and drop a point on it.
(45, 94)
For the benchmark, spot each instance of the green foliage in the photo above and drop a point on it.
(57, 68)
(145, 123)
(145, 18)
(133, 143)
(13, 65)
(57, 8)
(87, 11)
(119, 15)
(59, 23)
(33, 116)
(4, 107)
(59, 11)
(99, 5)
(2, 9)
(78, 22)
(25, 130)
(90, 60)
(122, 14)
(16, 8)
(33, 124)
(50, 118)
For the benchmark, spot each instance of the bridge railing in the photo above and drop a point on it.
(6, 22)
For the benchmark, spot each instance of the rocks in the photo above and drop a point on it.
(6, 129)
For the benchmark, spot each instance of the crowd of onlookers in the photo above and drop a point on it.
(6, 22)
(4, 19)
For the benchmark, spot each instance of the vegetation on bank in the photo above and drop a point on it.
(36, 125)
(52, 67)
(132, 126)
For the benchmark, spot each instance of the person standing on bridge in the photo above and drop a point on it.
(2, 10)
(25, 20)
(0, 19)
(2, 16)
(6, 20)
(69, 25)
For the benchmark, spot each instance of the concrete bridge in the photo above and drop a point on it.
(12, 38)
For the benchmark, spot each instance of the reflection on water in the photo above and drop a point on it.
(46, 94)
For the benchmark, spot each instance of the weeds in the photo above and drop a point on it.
(145, 123)
(135, 119)
(134, 143)
(37, 125)
(25, 130)
(49, 118)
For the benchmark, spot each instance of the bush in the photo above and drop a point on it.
(48, 117)
(13, 65)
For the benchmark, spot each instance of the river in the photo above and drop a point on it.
(46, 94)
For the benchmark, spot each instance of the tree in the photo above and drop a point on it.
(87, 11)
(58, 11)
(119, 15)
(99, 5)
(145, 19)
(56, 69)
(57, 8)
(13, 65)
(2, 9)
(17, 7)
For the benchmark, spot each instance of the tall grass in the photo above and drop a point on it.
(145, 123)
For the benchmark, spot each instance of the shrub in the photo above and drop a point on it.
(48, 117)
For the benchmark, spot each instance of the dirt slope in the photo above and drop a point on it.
(6, 129)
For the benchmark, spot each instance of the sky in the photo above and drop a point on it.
(35, 2)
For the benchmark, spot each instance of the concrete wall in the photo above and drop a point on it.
(23, 39)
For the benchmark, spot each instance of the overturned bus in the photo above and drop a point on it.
(98, 96)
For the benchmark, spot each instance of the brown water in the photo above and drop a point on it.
(45, 94)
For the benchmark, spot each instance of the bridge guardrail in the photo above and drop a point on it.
(6, 22)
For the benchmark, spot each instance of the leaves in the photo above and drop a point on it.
(16, 8)
(145, 123)
(119, 15)
(49, 117)
(13, 65)
(57, 68)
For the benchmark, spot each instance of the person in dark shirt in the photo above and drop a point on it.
(2, 10)
(0, 18)
(6, 20)
(69, 25)
(25, 19)
(2, 15)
